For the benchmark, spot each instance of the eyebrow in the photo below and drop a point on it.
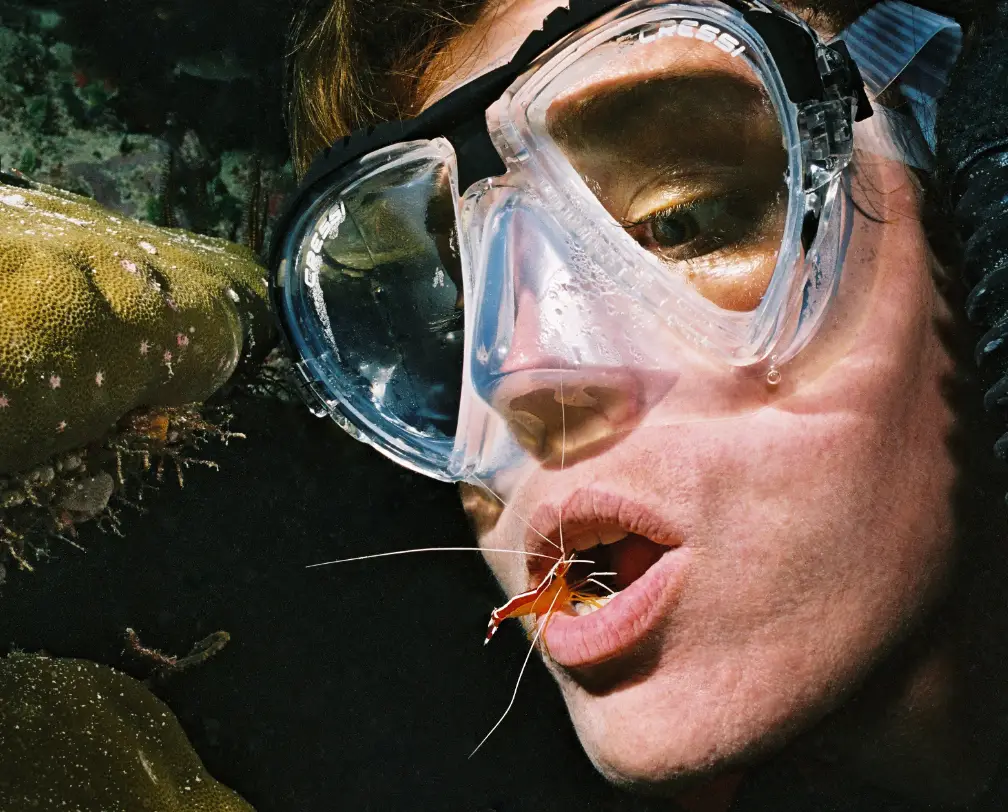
(735, 107)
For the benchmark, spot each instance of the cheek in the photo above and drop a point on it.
(808, 567)
(819, 530)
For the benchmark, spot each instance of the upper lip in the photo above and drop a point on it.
(591, 509)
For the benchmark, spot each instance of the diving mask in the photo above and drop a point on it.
(647, 202)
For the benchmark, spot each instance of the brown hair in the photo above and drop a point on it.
(354, 63)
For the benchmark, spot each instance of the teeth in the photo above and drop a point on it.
(612, 536)
(592, 538)
(586, 608)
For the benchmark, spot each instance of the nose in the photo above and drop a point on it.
(565, 420)
(556, 408)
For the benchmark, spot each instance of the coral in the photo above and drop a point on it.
(167, 665)
(78, 735)
(101, 315)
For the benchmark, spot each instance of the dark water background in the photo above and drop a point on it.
(359, 687)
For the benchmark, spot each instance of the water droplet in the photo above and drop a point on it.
(773, 376)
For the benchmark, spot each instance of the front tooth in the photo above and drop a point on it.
(612, 536)
(582, 541)
(587, 608)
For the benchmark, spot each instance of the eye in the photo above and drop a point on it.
(677, 226)
(705, 226)
(680, 225)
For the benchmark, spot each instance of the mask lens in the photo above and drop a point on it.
(378, 274)
(675, 134)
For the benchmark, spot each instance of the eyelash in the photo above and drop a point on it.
(737, 220)
(677, 209)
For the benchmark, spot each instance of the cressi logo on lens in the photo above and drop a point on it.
(329, 227)
(694, 29)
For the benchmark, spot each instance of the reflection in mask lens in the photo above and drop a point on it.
(389, 294)
(679, 141)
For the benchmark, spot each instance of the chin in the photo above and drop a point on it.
(662, 725)
(665, 765)
(635, 742)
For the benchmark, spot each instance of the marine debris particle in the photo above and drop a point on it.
(78, 735)
(100, 315)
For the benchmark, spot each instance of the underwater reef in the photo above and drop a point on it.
(78, 735)
(130, 222)
(112, 332)
(171, 113)
(132, 307)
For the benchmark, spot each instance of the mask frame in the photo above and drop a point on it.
(816, 79)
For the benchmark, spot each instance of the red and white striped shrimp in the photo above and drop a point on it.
(553, 593)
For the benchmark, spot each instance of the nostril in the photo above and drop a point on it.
(540, 418)
(528, 428)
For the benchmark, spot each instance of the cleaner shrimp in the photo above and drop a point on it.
(553, 593)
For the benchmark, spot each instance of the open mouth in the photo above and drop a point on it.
(618, 588)
(612, 562)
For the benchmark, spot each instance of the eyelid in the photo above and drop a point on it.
(677, 207)
(679, 190)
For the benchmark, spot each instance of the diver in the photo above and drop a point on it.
(678, 280)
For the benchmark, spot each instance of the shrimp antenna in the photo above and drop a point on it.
(428, 550)
(563, 456)
(472, 480)
(535, 639)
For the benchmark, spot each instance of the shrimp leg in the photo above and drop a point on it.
(528, 656)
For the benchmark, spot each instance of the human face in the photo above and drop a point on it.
(779, 554)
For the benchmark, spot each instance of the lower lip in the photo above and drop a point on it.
(624, 622)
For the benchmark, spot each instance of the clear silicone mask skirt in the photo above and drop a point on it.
(643, 253)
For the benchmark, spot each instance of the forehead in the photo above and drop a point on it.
(500, 30)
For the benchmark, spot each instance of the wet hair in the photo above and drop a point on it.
(354, 63)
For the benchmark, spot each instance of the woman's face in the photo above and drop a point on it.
(798, 543)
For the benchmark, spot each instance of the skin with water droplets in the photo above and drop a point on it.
(101, 314)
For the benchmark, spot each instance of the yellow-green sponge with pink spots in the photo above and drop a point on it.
(101, 315)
